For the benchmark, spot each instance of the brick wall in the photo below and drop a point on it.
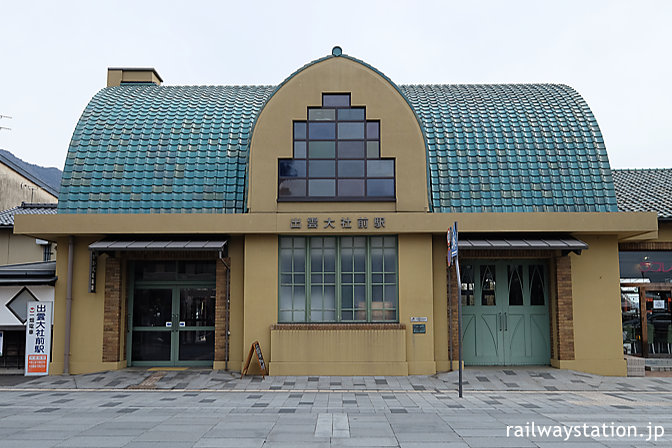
(564, 312)
(221, 311)
(112, 317)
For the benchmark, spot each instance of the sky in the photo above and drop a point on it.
(616, 54)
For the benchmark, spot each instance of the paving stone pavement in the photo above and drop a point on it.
(205, 408)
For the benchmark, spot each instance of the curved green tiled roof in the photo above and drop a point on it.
(161, 149)
(498, 148)
(512, 148)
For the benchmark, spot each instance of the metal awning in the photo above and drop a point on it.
(157, 245)
(130, 245)
(565, 244)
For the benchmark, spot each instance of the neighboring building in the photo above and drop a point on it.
(646, 266)
(20, 183)
(21, 248)
(27, 273)
(20, 284)
(312, 217)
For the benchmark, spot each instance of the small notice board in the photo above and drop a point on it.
(255, 349)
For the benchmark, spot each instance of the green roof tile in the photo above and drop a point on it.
(490, 148)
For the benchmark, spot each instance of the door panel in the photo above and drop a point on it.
(506, 321)
(488, 338)
(172, 326)
(151, 345)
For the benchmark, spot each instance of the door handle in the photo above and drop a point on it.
(499, 321)
(506, 323)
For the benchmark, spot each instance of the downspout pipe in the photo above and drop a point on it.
(68, 305)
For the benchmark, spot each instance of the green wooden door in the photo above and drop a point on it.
(505, 312)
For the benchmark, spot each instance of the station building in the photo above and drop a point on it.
(311, 217)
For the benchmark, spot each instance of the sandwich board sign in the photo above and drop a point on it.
(38, 338)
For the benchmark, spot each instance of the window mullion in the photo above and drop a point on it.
(308, 280)
(368, 279)
(337, 280)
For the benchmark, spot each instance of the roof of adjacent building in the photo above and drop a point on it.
(46, 178)
(144, 148)
(7, 216)
(645, 190)
(38, 273)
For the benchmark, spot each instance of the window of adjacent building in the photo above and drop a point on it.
(338, 279)
(336, 156)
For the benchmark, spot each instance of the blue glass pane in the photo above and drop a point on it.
(350, 131)
(292, 188)
(336, 100)
(373, 129)
(351, 168)
(299, 150)
(322, 188)
(380, 187)
(351, 150)
(380, 168)
(351, 188)
(351, 114)
(300, 130)
(322, 150)
(322, 131)
(322, 168)
(321, 114)
(372, 150)
(292, 168)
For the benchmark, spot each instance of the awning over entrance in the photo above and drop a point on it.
(158, 245)
(154, 245)
(546, 243)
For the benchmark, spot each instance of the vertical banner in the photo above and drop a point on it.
(38, 338)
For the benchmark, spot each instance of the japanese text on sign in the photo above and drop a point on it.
(344, 222)
(38, 338)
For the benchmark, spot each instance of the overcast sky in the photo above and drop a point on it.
(617, 54)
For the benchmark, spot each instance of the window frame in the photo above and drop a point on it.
(338, 282)
(369, 184)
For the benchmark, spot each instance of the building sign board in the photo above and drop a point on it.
(418, 319)
(38, 338)
(419, 329)
(255, 349)
(341, 223)
(659, 304)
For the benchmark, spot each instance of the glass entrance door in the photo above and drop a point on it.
(505, 317)
(172, 326)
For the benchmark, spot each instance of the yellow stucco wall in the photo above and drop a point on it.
(339, 352)
(400, 134)
(86, 340)
(260, 308)
(440, 292)
(416, 296)
(598, 337)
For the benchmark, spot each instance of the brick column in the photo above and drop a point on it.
(454, 292)
(112, 316)
(564, 337)
(221, 311)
